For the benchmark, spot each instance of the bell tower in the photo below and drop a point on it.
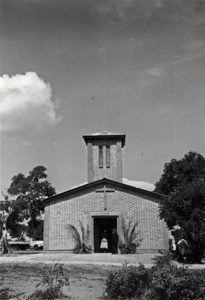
(104, 155)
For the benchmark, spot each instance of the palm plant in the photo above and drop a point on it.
(130, 237)
(81, 238)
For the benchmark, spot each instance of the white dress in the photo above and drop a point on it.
(104, 244)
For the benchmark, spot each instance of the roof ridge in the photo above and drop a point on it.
(104, 132)
(117, 183)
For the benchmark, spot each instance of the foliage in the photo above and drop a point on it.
(7, 293)
(53, 279)
(130, 239)
(170, 283)
(164, 281)
(178, 172)
(5, 210)
(183, 182)
(127, 249)
(81, 238)
(162, 260)
(35, 229)
(127, 282)
(25, 210)
(187, 206)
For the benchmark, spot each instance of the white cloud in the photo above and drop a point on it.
(26, 103)
(139, 184)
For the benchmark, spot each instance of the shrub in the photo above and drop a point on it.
(127, 282)
(81, 238)
(7, 293)
(130, 239)
(163, 260)
(170, 283)
(127, 248)
(163, 282)
(52, 281)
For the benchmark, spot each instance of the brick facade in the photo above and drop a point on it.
(86, 203)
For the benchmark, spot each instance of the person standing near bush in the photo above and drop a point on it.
(114, 241)
(172, 247)
(183, 249)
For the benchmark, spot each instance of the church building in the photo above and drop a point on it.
(103, 202)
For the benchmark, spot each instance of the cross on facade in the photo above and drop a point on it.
(104, 190)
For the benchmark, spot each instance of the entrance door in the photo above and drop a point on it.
(100, 225)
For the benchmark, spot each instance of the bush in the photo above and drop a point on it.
(81, 238)
(163, 282)
(164, 260)
(127, 282)
(7, 293)
(171, 283)
(52, 281)
(127, 248)
(130, 239)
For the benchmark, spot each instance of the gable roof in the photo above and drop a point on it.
(155, 197)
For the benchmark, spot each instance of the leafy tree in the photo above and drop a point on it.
(183, 183)
(5, 210)
(178, 172)
(26, 208)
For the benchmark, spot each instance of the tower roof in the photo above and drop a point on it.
(104, 135)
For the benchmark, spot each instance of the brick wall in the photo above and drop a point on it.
(83, 205)
(115, 170)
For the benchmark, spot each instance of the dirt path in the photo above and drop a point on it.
(69, 258)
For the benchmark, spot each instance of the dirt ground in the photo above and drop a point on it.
(20, 271)
(86, 281)
(87, 273)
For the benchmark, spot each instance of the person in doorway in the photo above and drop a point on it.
(104, 242)
(114, 241)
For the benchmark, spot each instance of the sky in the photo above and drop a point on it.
(73, 67)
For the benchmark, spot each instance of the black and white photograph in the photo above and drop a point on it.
(102, 149)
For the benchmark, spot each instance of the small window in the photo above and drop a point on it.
(100, 157)
(107, 156)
